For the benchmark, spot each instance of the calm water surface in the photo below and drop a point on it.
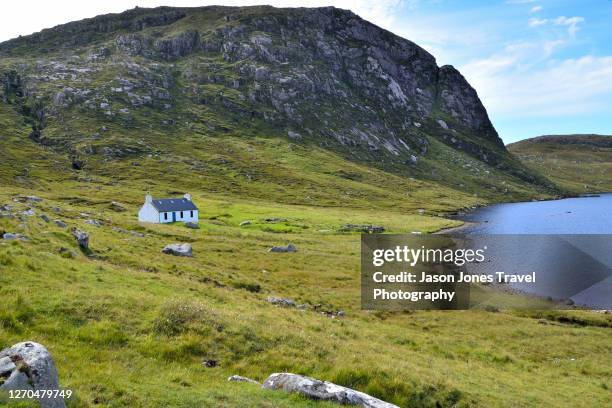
(575, 259)
(584, 215)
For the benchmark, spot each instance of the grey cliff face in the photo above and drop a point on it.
(320, 75)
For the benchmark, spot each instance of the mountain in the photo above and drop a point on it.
(155, 82)
(578, 163)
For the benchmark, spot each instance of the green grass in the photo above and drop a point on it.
(130, 326)
(578, 163)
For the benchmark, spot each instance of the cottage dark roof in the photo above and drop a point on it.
(173, 204)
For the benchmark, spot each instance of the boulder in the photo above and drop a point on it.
(288, 248)
(44, 217)
(60, 223)
(322, 390)
(82, 237)
(281, 301)
(178, 250)
(29, 366)
(239, 378)
(192, 225)
(245, 223)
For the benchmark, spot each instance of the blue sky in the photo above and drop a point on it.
(540, 67)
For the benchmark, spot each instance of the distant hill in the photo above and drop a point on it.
(579, 163)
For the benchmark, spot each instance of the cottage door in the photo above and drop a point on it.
(173, 216)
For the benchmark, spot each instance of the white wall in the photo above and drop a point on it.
(185, 218)
(148, 213)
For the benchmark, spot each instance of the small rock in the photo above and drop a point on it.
(11, 237)
(44, 217)
(29, 212)
(281, 301)
(115, 206)
(29, 366)
(178, 250)
(294, 135)
(288, 248)
(245, 223)
(442, 124)
(192, 225)
(275, 219)
(95, 223)
(60, 223)
(322, 390)
(23, 199)
(239, 378)
(82, 237)
(210, 363)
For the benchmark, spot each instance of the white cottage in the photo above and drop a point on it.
(165, 210)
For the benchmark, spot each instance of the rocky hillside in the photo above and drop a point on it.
(579, 163)
(133, 84)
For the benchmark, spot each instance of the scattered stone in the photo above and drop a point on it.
(413, 159)
(294, 135)
(23, 199)
(281, 301)
(93, 222)
(245, 223)
(322, 390)
(368, 229)
(29, 212)
(44, 217)
(29, 366)
(275, 219)
(9, 236)
(60, 223)
(192, 225)
(416, 124)
(115, 206)
(210, 363)
(442, 124)
(239, 378)
(178, 250)
(82, 238)
(288, 248)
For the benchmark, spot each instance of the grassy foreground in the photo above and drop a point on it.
(129, 326)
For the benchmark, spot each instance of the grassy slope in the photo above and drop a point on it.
(578, 163)
(130, 326)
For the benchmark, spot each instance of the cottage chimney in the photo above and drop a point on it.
(187, 196)
(148, 198)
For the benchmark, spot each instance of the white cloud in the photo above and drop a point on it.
(566, 87)
(571, 23)
(536, 22)
(535, 9)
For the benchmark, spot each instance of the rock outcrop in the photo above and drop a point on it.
(322, 390)
(287, 248)
(178, 250)
(29, 366)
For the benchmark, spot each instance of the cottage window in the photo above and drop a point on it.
(166, 216)
(191, 215)
(181, 214)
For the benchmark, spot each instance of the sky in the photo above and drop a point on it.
(539, 66)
